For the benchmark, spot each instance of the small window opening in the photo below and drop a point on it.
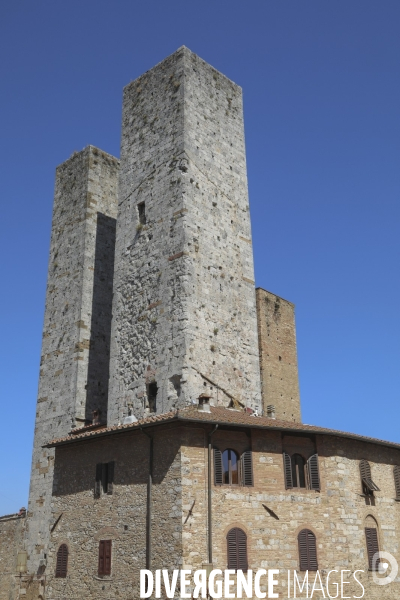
(152, 390)
(298, 471)
(142, 213)
(230, 472)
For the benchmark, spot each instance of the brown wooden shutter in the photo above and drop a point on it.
(217, 466)
(97, 484)
(110, 477)
(104, 477)
(101, 557)
(371, 537)
(396, 475)
(237, 549)
(307, 551)
(313, 473)
(365, 471)
(104, 557)
(62, 561)
(107, 557)
(287, 467)
(247, 468)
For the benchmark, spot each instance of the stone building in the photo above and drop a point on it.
(168, 427)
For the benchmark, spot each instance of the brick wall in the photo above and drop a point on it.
(278, 355)
(270, 515)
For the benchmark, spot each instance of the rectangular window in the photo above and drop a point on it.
(142, 213)
(104, 479)
(104, 557)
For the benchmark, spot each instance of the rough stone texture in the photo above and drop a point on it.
(278, 355)
(12, 529)
(120, 517)
(184, 312)
(77, 323)
(337, 514)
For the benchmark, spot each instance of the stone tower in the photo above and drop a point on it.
(184, 308)
(77, 324)
(278, 356)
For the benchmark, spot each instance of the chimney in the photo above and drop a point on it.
(204, 403)
(271, 411)
(96, 417)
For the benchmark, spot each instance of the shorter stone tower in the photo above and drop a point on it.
(74, 369)
(278, 357)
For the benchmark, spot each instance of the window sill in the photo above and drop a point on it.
(103, 577)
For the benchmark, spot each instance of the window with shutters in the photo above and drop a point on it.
(300, 473)
(307, 550)
(237, 549)
(62, 561)
(368, 486)
(229, 469)
(396, 475)
(104, 481)
(104, 557)
(372, 543)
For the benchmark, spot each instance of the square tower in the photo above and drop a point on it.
(184, 308)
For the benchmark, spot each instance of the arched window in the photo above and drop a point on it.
(307, 550)
(237, 549)
(298, 471)
(371, 539)
(62, 561)
(230, 467)
(301, 474)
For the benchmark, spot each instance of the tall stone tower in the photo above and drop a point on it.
(184, 309)
(77, 324)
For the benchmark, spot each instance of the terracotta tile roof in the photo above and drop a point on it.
(220, 416)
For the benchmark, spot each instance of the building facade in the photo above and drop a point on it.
(168, 428)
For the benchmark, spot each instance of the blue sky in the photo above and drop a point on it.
(321, 96)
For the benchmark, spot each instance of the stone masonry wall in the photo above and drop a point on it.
(184, 312)
(121, 517)
(270, 515)
(278, 355)
(12, 529)
(336, 515)
(77, 323)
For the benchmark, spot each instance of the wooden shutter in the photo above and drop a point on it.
(371, 537)
(365, 471)
(104, 557)
(110, 477)
(217, 466)
(396, 475)
(107, 557)
(313, 473)
(62, 561)
(97, 484)
(307, 551)
(104, 477)
(287, 467)
(237, 549)
(247, 468)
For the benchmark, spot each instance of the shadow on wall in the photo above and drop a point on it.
(99, 352)
(75, 465)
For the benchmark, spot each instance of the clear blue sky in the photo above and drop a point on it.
(321, 96)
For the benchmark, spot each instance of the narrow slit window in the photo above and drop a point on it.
(152, 390)
(142, 213)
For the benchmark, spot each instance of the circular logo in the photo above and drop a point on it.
(386, 560)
